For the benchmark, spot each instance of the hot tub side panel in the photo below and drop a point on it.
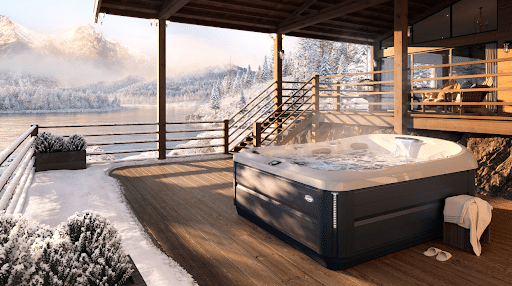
(301, 212)
(384, 219)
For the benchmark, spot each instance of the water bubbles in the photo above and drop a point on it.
(350, 160)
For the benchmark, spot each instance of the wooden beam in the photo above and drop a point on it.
(96, 10)
(278, 71)
(461, 125)
(401, 86)
(327, 14)
(297, 12)
(130, 7)
(170, 7)
(161, 90)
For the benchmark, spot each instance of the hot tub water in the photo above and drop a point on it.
(358, 158)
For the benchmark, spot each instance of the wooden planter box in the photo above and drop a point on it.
(135, 279)
(74, 160)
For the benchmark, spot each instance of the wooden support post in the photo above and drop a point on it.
(161, 91)
(36, 130)
(256, 131)
(401, 82)
(278, 71)
(225, 133)
(278, 78)
(316, 107)
(338, 97)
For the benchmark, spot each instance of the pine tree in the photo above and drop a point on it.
(248, 78)
(242, 102)
(325, 69)
(257, 76)
(266, 74)
(215, 97)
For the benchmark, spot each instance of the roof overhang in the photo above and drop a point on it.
(354, 21)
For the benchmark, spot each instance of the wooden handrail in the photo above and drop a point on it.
(462, 76)
(14, 164)
(284, 120)
(293, 121)
(282, 104)
(353, 74)
(462, 64)
(14, 145)
(250, 110)
(97, 125)
(247, 105)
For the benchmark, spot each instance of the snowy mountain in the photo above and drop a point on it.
(79, 48)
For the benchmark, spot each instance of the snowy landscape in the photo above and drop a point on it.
(63, 77)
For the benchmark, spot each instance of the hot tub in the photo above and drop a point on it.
(343, 211)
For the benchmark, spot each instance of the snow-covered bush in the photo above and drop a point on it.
(45, 142)
(18, 249)
(85, 250)
(99, 245)
(75, 142)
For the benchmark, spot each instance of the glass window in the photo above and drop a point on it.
(432, 28)
(474, 16)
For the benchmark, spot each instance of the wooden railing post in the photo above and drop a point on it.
(36, 130)
(225, 133)
(256, 131)
(316, 107)
(338, 97)
(161, 91)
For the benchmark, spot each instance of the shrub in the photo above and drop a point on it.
(45, 142)
(85, 250)
(75, 142)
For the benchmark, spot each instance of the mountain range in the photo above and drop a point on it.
(78, 48)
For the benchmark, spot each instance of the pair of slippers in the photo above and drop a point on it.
(440, 255)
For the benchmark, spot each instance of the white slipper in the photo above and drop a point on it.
(432, 251)
(443, 256)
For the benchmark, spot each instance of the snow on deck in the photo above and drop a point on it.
(56, 195)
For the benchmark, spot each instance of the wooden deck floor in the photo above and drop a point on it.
(188, 209)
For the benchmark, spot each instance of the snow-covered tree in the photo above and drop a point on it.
(266, 73)
(325, 67)
(215, 97)
(241, 101)
(248, 78)
(257, 76)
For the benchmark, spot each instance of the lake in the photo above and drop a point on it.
(13, 125)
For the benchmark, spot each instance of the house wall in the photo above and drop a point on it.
(504, 33)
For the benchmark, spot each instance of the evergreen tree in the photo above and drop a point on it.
(325, 69)
(248, 78)
(257, 76)
(242, 101)
(215, 97)
(266, 74)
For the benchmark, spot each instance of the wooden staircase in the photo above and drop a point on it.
(261, 123)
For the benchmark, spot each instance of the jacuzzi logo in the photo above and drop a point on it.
(308, 198)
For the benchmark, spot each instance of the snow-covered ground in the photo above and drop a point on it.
(56, 195)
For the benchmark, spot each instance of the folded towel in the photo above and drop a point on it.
(455, 208)
(474, 214)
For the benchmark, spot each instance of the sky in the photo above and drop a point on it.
(189, 47)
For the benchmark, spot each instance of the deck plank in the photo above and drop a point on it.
(187, 208)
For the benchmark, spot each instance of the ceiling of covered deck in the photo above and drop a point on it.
(354, 21)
